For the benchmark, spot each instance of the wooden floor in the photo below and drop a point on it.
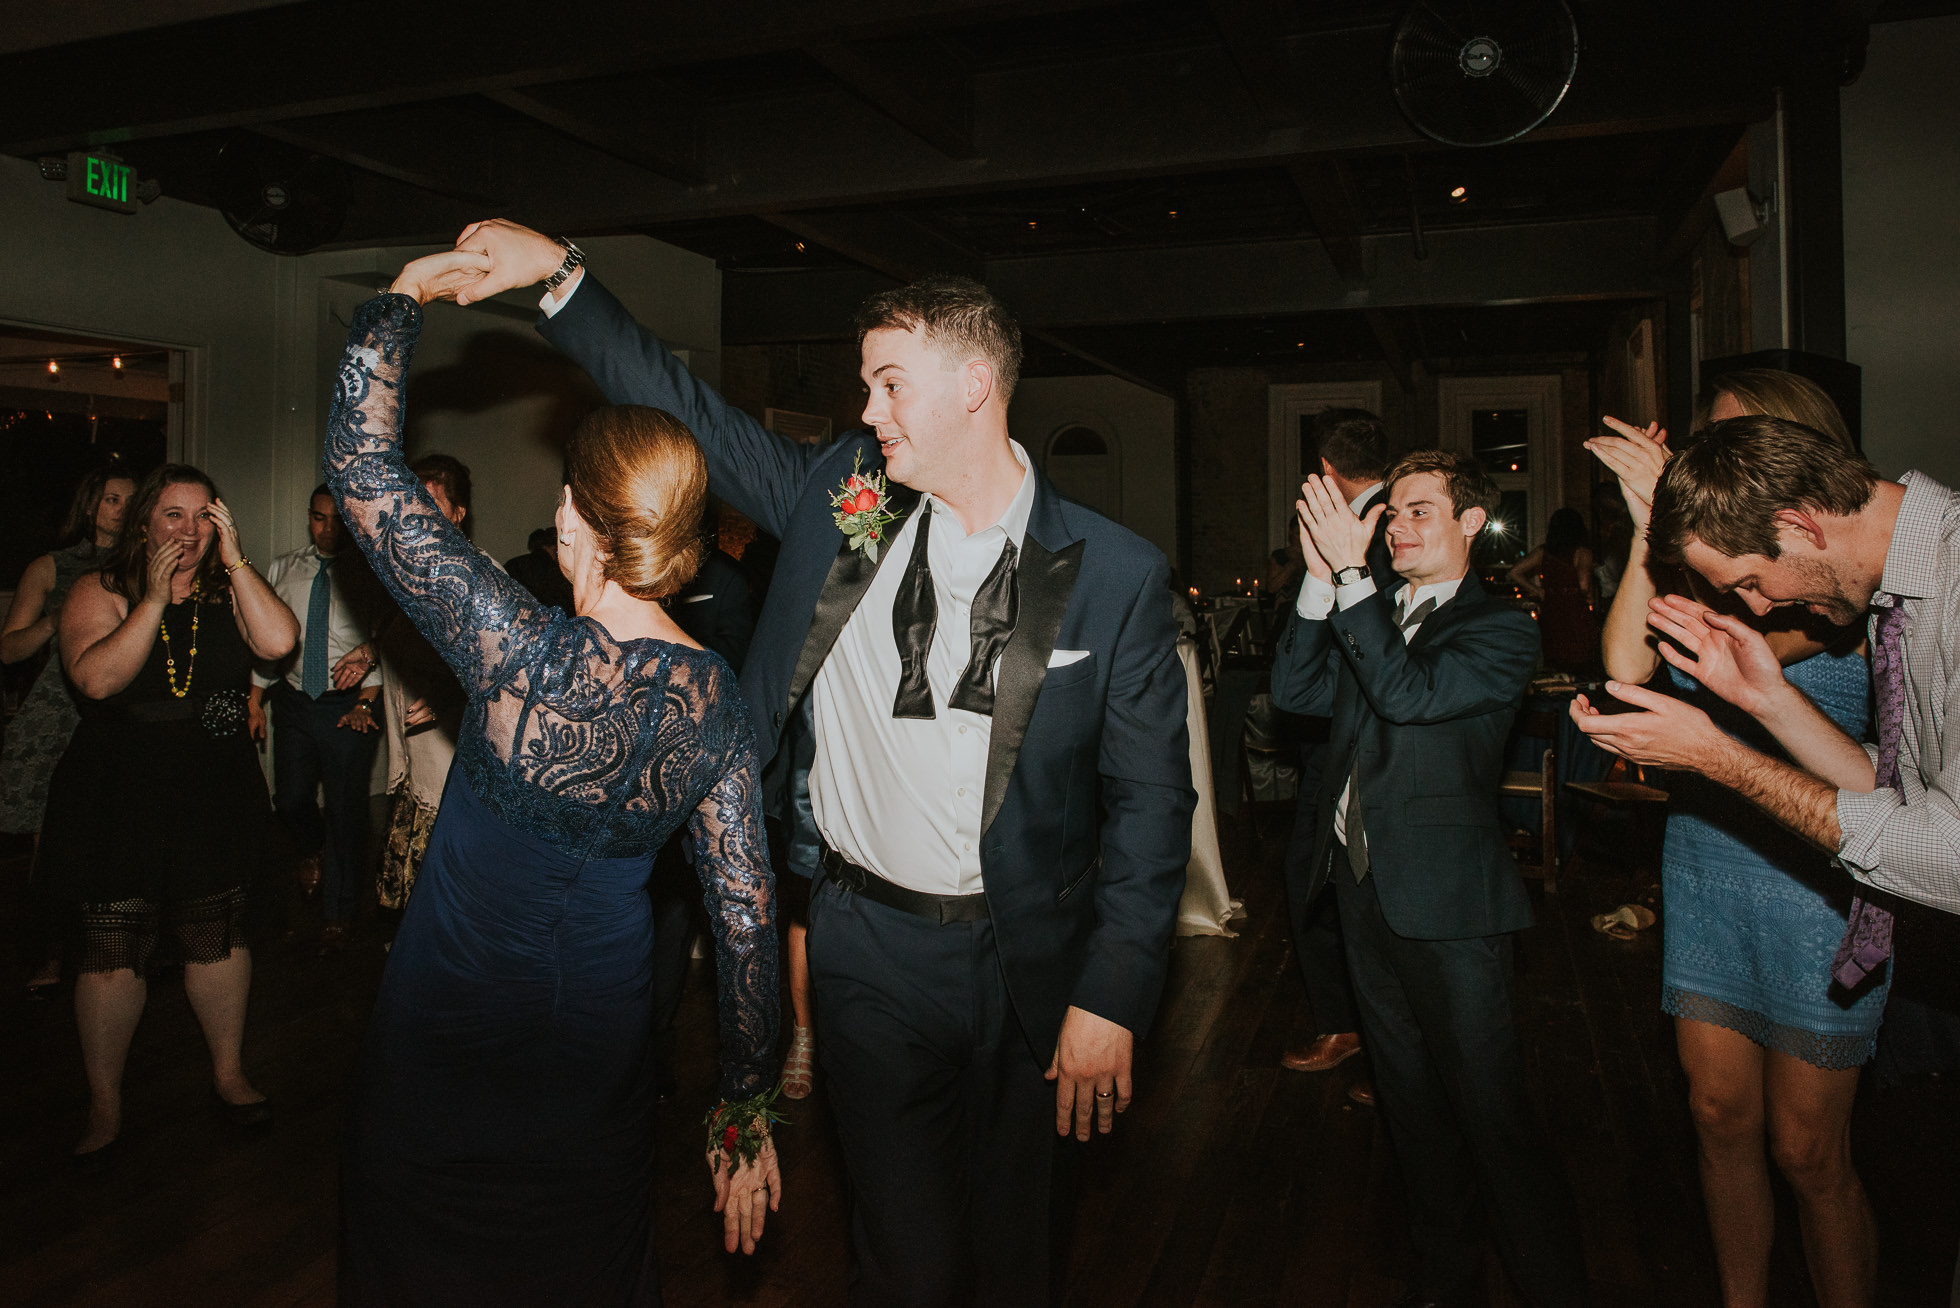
(1229, 1182)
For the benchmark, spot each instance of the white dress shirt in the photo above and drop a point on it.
(1318, 598)
(902, 796)
(350, 619)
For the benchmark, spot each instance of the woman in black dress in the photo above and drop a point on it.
(158, 646)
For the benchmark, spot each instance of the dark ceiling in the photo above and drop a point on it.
(1153, 184)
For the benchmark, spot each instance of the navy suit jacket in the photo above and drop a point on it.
(1086, 818)
(1429, 719)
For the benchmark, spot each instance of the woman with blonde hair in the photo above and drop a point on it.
(158, 824)
(500, 1143)
(1770, 1044)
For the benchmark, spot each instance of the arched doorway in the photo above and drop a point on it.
(1085, 467)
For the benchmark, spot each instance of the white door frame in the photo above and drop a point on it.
(1285, 406)
(1458, 397)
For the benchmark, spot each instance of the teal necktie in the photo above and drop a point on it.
(313, 678)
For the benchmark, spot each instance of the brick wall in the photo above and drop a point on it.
(819, 378)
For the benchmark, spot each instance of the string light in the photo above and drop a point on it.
(54, 368)
(116, 362)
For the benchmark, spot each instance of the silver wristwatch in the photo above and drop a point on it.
(573, 258)
(1349, 576)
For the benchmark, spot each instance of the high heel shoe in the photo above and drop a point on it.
(98, 1159)
(243, 1116)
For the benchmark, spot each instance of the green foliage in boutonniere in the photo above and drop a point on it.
(862, 508)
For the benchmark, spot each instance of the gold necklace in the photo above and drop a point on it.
(190, 664)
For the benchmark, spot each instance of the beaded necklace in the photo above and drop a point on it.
(190, 664)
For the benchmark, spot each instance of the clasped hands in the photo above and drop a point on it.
(490, 258)
(1331, 535)
(1725, 654)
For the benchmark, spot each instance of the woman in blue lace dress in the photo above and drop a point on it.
(1771, 1044)
(500, 1145)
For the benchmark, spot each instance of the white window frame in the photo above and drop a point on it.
(1459, 397)
(1285, 406)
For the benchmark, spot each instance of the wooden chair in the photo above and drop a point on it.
(1648, 802)
(1541, 785)
(1282, 754)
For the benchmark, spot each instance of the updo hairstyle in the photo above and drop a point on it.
(639, 481)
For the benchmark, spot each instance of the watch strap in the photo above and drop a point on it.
(574, 258)
(1349, 576)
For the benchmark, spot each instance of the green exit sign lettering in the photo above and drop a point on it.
(104, 183)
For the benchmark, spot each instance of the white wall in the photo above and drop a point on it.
(263, 334)
(1141, 425)
(1902, 244)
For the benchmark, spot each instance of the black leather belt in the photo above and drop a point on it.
(934, 908)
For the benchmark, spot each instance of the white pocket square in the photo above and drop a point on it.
(1061, 658)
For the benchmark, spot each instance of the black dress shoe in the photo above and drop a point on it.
(97, 1160)
(243, 1115)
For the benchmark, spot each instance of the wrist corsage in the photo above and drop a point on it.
(740, 1129)
(862, 514)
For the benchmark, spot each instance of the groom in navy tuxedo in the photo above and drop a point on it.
(979, 716)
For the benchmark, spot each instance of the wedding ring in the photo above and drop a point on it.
(1102, 1094)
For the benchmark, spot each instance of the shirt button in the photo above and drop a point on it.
(967, 845)
(962, 731)
(960, 791)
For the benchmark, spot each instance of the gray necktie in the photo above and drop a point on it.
(1357, 839)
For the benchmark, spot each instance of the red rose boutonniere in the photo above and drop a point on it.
(862, 511)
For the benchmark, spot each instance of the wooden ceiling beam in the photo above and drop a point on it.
(918, 84)
(1382, 323)
(673, 153)
(333, 56)
(1588, 259)
(1257, 43)
(1327, 191)
(438, 174)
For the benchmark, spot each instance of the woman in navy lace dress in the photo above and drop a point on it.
(500, 1144)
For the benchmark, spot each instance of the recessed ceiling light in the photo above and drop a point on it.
(1173, 213)
(116, 362)
(53, 367)
(1460, 194)
(1031, 224)
(801, 248)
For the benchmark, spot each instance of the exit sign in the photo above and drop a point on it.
(102, 182)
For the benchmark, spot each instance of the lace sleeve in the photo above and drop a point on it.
(456, 597)
(739, 888)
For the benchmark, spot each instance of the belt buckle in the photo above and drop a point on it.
(844, 872)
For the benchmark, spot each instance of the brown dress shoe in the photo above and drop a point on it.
(1325, 1052)
(309, 876)
(1363, 1093)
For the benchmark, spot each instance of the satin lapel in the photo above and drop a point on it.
(850, 576)
(1046, 581)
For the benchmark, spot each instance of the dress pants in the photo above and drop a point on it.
(1436, 1016)
(310, 752)
(946, 1120)
(1316, 927)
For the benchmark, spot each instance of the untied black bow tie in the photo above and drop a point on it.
(915, 619)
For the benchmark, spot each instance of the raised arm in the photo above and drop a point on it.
(477, 618)
(760, 473)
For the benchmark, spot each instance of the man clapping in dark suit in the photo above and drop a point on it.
(997, 768)
(1353, 447)
(1423, 684)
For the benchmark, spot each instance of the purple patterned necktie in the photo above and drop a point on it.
(1868, 935)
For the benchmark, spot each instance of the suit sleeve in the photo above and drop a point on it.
(1482, 667)
(1145, 762)
(1305, 668)
(760, 473)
